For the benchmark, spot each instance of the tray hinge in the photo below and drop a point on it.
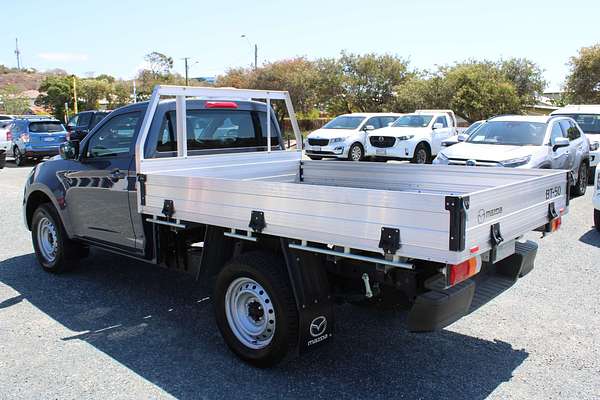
(257, 221)
(168, 208)
(389, 240)
(496, 238)
(457, 206)
(552, 215)
(142, 181)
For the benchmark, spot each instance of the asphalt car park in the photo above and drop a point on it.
(117, 328)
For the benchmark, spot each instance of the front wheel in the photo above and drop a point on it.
(582, 180)
(255, 309)
(422, 155)
(54, 250)
(355, 153)
(597, 219)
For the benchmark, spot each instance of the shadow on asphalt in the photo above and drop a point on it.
(160, 324)
(591, 237)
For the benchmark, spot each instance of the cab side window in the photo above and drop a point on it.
(84, 119)
(72, 123)
(570, 130)
(115, 137)
(556, 132)
(374, 121)
(385, 121)
(441, 120)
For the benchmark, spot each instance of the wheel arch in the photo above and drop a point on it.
(38, 195)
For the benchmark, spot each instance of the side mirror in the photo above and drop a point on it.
(69, 150)
(461, 137)
(369, 128)
(559, 142)
(438, 125)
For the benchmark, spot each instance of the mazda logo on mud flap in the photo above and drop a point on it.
(318, 326)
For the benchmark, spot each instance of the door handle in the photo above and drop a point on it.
(116, 174)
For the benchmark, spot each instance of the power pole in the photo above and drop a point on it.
(185, 59)
(75, 94)
(18, 53)
(134, 92)
(255, 56)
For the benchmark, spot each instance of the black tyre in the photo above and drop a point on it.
(356, 152)
(597, 219)
(20, 159)
(591, 175)
(54, 250)
(422, 155)
(317, 158)
(582, 180)
(255, 309)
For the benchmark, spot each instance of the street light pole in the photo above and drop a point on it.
(185, 59)
(255, 56)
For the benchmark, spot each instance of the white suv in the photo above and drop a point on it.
(345, 136)
(596, 200)
(588, 119)
(417, 137)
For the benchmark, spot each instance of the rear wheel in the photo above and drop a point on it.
(582, 180)
(597, 219)
(255, 308)
(422, 155)
(54, 250)
(356, 152)
(20, 159)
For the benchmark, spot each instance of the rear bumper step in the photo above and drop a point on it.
(435, 309)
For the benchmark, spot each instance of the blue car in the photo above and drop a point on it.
(36, 138)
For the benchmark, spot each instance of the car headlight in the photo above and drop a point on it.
(594, 146)
(406, 137)
(516, 162)
(337, 139)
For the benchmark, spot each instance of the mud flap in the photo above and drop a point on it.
(313, 298)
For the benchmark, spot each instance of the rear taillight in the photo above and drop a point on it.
(220, 104)
(460, 272)
(8, 136)
(555, 224)
(25, 138)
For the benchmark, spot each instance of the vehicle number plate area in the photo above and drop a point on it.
(380, 152)
(316, 148)
(49, 139)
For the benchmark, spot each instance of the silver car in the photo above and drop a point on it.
(525, 142)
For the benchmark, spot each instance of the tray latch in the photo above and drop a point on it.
(257, 221)
(389, 240)
(168, 208)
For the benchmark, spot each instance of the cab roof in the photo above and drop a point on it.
(522, 118)
(578, 109)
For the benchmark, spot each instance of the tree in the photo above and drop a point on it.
(583, 82)
(526, 76)
(11, 100)
(480, 90)
(423, 91)
(159, 64)
(91, 91)
(56, 90)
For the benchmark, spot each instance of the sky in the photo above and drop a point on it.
(94, 37)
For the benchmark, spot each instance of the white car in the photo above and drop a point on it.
(345, 136)
(5, 134)
(596, 200)
(588, 119)
(417, 137)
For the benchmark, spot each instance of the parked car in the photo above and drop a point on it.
(36, 138)
(82, 123)
(4, 117)
(596, 200)
(525, 142)
(278, 238)
(2, 158)
(462, 136)
(588, 119)
(416, 137)
(345, 135)
(5, 134)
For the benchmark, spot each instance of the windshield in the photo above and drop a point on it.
(413, 121)
(472, 128)
(514, 133)
(344, 122)
(589, 123)
(36, 127)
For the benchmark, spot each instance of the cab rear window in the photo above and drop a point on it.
(37, 127)
(217, 129)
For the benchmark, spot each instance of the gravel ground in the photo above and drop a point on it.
(121, 329)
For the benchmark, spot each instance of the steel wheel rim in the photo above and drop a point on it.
(47, 239)
(356, 153)
(250, 313)
(421, 156)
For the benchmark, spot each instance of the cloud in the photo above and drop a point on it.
(63, 56)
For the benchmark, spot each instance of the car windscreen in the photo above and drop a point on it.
(413, 121)
(344, 122)
(472, 128)
(97, 118)
(589, 123)
(46, 126)
(514, 133)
